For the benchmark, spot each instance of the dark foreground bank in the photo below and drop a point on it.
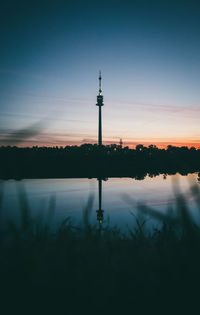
(99, 270)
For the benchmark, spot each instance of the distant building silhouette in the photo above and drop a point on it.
(100, 103)
(121, 143)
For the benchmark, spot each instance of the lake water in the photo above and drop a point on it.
(120, 197)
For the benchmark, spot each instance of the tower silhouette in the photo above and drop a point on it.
(100, 211)
(100, 103)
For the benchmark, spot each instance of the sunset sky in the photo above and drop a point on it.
(149, 55)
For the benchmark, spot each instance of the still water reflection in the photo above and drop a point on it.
(113, 199)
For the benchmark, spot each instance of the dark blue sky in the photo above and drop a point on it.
(149, 54)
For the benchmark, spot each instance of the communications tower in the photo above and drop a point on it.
(100, 104)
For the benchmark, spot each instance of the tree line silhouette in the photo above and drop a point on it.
(91, 160)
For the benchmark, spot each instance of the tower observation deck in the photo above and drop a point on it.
(100, 104)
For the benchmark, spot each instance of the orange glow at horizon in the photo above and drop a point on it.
(131, 144)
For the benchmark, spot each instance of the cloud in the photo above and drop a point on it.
(21, 115)
(21, 135)
(158, 107)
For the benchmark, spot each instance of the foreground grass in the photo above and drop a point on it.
(102, 268)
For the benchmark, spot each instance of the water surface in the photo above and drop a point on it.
(120, 197)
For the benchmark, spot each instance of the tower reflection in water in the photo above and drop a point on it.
(100, 211)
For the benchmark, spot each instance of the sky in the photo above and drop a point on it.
(148, 52)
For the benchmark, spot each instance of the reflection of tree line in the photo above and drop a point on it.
(90, 160)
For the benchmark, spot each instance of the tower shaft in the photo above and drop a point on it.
(100, 128)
